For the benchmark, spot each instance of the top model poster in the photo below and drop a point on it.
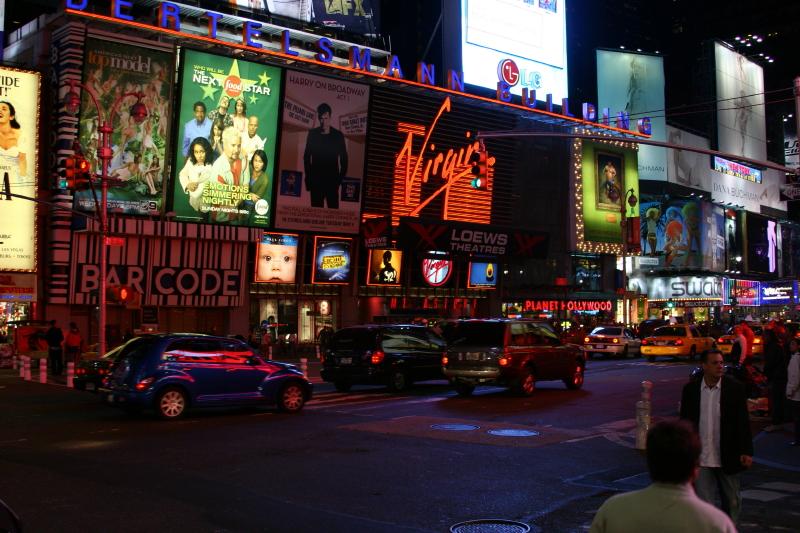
(224, 161)
(323, 142)
(112, 70)
(19, 132)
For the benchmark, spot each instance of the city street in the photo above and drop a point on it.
(364, 461)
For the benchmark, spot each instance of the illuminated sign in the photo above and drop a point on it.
(169, 18)
(19, 122)
(778, 293)
(376, 232)
(276, 258)
(332, 261)
(763, 244)
(385, 267)
(449, 168)
(436, 269)
(566, 305)
(738, 170)
(745, 291)
(482, 276)
(677, 287)
(17, 288)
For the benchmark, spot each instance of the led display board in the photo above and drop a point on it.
(605, 173)
(19, 124)
(384, 267)
(332, 261)
(482, 275)
(112, 69)
(762, 244)
(359, 16)
(737, 170)
(276, 258)
(526, 39)
(224, 160)
(778, 292)
(634, 84)
(741, 119)
(746, 291)
(323, 143)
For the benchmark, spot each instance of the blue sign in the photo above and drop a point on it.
(778, 293)
(482, 276)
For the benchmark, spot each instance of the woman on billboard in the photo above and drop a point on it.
(12, 160)
(196, 172)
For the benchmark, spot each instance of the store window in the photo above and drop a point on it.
(587, 273)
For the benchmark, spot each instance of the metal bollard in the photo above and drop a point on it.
(27, 368)
(71, 375)
(304, 366)
(269, 353)
(643, 408)
(43, 370)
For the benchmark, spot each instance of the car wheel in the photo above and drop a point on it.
(398, 381)
(625, 353)
(464, 389)
(292, 398)
(171, 403)
(526, 385)
(342, 386)
(575, 381)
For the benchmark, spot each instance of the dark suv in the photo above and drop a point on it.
(170, 372)
(512, 353)
(389, 354)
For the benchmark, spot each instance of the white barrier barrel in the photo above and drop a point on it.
(22, 366)
(43, 370)
(27, 368)
(304, 366)
(71, 375)
(14, 362)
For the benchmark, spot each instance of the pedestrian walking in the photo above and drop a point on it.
(717, 406)
(55, 338)
(669, 504)
(793, 388)
(775, 368)
(73, 344)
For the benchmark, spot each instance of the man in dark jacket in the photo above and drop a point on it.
(325, 161)
(55, 337)
(717, 406)
(776, 365)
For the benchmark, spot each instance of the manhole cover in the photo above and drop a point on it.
(490, 525)
(513, 433)
(455, 427)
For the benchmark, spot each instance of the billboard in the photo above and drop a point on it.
(361, 16)
(482, 276)
(224, 159)
(333, 261)
(762, 245)
(746, 291)
(778, 292)
(634, 84)
(384, 267)
(741, 119)
(276, 258)
(323, 142)
(112, 69)
(19, 138)
(608, 172)
(526, 40)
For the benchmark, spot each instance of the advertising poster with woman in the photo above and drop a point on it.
(323, 141)
(224, 160)
(19, 119)
(139, 149)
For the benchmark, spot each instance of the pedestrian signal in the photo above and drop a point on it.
(119, 294)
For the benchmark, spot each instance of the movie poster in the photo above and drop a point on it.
(333, 261)
(225, 156)
(138, 166)
(19, 119)
(276, 258)
(385, 267)
(323, 142)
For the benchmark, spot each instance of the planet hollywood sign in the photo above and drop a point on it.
(567, 305)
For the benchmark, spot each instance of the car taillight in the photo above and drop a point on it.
(445, 359)
(645, 342)
(504, 359)
(377, 357)
(587, 340)
(80, 371)
(678, 342)
(757, 341)
(720, 341)
(145, 383)
(615, 341)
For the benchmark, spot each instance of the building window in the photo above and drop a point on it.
(587, 273)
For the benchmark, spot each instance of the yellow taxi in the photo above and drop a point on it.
(678, 340)
(725, 342)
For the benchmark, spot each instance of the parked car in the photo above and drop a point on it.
(89, 373)
(511, 353)
(171, 372)
(612, 340)
(394, 355)
(725, 342)
(677, 340)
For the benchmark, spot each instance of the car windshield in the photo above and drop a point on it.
(669, 331)
(112, 355)
(606, 331)
(353, 339)
(478, 333)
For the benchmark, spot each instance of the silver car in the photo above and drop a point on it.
(612, 340)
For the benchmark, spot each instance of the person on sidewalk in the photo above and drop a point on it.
(717, 406)
(55, 337)
(669, 504)
(793, 388)
(73, 344)
(775, 363)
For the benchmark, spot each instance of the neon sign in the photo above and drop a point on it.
(415, 165)
(567, 305)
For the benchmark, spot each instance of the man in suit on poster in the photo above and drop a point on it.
(325, 161)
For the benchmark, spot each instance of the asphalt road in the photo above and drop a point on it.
(365, 461)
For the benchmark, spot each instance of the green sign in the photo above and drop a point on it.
(224, 158)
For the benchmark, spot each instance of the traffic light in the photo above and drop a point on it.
(670, 303)
(76, 173)
(120, 294)
(480, 168)
(82, 171)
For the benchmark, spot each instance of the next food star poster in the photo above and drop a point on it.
(225, 156)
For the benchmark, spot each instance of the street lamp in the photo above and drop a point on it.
(631, 200)
(138, 112)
